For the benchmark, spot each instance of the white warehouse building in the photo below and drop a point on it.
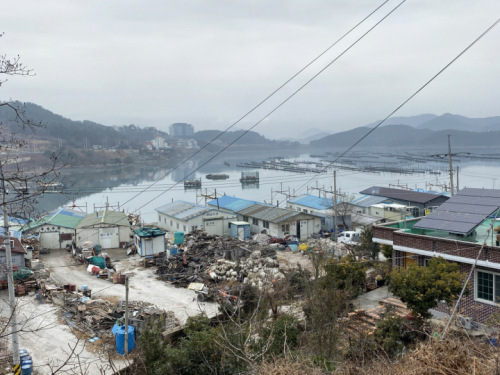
(187, 217)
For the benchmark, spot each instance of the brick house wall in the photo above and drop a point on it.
(479, 311)
(384, 233)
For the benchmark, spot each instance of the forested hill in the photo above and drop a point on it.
(251, 138)
(73, 133)
(404, 136)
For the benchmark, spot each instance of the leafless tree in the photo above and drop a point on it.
(344, 209)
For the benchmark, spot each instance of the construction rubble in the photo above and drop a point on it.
(97, 317)
(214, 259)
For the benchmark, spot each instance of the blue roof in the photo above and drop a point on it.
(232, 203)
(183, 210)
(368, 200)
(312, 201)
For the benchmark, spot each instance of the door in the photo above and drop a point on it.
(409, 259)
(50, 240)
(148, 246)
(298, 229)
(106, 240)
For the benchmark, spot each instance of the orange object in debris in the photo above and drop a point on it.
(184, 258)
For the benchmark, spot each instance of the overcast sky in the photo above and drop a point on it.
(207, 62)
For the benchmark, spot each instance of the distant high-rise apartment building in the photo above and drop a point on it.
(181, 130)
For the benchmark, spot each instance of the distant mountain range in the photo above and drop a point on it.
(405, 136)
(444, 122)
(427, 130)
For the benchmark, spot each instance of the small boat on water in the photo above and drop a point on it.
(227, 163)
(50, 186)
(192, 184)
(217, 176)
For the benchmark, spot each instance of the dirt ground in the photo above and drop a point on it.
(52, 340)
(289, 259)
(49, 342)
(143, 284)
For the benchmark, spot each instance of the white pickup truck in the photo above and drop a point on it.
(348, 237)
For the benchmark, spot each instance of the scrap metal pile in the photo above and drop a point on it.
(213, 259)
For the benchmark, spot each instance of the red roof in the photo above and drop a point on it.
(17, 248)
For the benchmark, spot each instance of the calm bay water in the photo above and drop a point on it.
(142, 189)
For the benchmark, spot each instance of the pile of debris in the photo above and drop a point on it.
(206, 257)
(134, 219)
(255, 270)
(322, 244)
(97, 316)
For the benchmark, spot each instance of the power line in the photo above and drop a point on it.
(269, 96)
(406, 101)
(283, 102)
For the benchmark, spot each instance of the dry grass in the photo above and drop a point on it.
(452, 356)
(287, 367)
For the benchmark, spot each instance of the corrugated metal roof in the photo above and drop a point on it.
(368, 200)
(232, 203)
(363, 219)
(62, 217)
(183, 210)
(149, 232)
(269, 213)
(463, 212)
(312, 201)
(108, 217)
(400, 194)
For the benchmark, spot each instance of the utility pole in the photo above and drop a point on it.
(458, 189)
(335, 205)
(451, 166)
(126, 315)
(450, 155)
(10, 279)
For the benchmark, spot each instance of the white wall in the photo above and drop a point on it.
(158, 244)
(55, 243)
(17, 260)
(218, 223)
(98, 235)
(172, 224)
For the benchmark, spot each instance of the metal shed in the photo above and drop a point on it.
(240, 229)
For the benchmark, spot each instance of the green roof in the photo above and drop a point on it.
(149, 232)
(104, 217)
(61, 217)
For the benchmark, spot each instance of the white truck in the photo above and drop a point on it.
(349, 237)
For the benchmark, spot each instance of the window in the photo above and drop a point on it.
(265, 224)
(359, 211)
(159, 218)
(165, 220)
(194, 227)
(487, 286)
(245, 218)
(171, 223)
(255, 222)
(305, 211)
(348, 235)
(229, 225)
(177, 225)
(184, 228)
(285, 227)
(298, 209)
(377, 213)
(323, 221)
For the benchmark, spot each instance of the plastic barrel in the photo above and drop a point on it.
(26, 370)
(120, 339)
(178, 238)
(26, 362)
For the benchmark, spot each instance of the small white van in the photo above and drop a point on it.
(349, 237)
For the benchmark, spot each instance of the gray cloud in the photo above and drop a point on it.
(207, 62)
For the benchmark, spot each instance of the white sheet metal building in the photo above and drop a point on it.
(149, 241)
(186, 217)
(56, 229)
(110, 229)
(17, 252)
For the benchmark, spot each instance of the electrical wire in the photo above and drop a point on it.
(272, 94)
